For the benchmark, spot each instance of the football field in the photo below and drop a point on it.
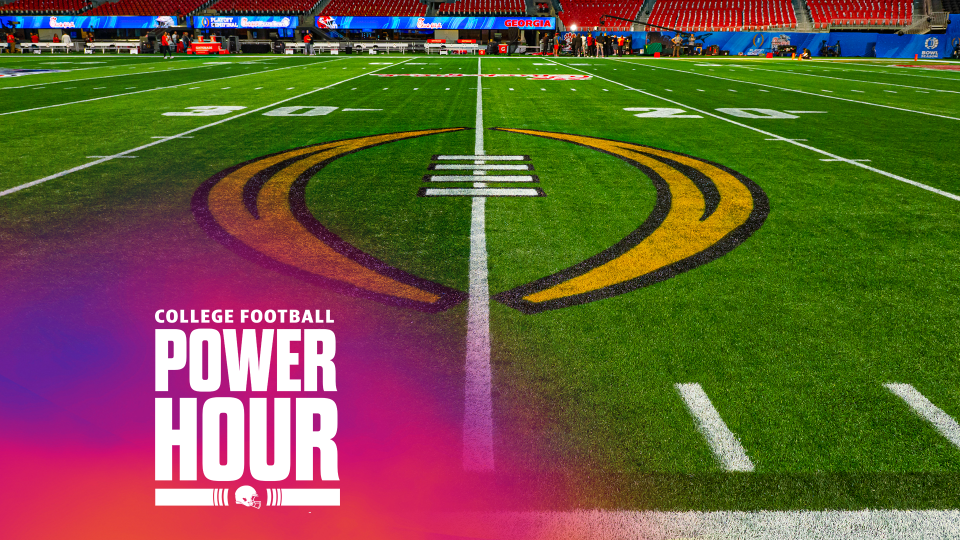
(663, 284)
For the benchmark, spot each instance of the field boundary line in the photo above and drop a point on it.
(725, 445)
(478, 405)
(172, 137)
(941, 421)
(157, 88)
(794, 142)
(789, 90)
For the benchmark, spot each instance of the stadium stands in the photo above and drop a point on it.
(587, 14)
(860, 12)
(483, 7)
(723, 15)
(256, 7)
(146, 8)
(45, 7)
(360, 8)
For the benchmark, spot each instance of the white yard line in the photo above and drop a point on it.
(478, 405)
(789, 90)
(795, 142)
(855, 80)
(172, 137)
(722, 525)
(149, 90)
(942, 421)
(723, 442)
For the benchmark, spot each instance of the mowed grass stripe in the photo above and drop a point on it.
(794, 142)
(161, 141)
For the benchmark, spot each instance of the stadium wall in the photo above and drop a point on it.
(852, 44)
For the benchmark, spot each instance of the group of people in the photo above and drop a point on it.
(587, 45)
(602, 45)
(11, 40)
(170, 43)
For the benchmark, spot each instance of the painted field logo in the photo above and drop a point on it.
(703, 211)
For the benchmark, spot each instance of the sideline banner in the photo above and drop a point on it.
(437, 23)
(67, 22)
(246, 21)
(923, 45)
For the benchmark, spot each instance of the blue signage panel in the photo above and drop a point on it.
(436, 23)
(67, 22)
(245, 21)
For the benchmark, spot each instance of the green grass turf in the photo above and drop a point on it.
(851, 282)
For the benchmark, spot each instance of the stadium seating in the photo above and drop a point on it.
(723, 15)
(586, 14)
(45, 7)
(860, 12)
(260, 7)
(361, 8)
(146, 8)
(483, 7)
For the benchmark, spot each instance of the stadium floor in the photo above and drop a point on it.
(754, 378)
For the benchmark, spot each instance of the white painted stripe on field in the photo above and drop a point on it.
(795, 142)
(792, 90)
(723, 442)
(147, 90)
(481, 192)
(478, 401)
(485, 158)
(723, 525)
(807, 112)
(490, 179)
(160, 141)
(942, 421)
(480, 167)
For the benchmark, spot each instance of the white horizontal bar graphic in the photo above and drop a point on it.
(491, 179)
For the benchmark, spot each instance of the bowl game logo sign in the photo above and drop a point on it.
(930, 46)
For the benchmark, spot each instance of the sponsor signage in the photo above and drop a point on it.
(436, 23)
(65, 22)
(245, 21)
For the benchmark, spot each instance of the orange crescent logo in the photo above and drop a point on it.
(257, 209)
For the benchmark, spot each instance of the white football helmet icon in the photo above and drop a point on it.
(247, 496)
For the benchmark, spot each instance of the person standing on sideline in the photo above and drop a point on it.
(677, 40)
(11, 42)
(68, 41)
(165, 45)
(620, 43)
(308, 39)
